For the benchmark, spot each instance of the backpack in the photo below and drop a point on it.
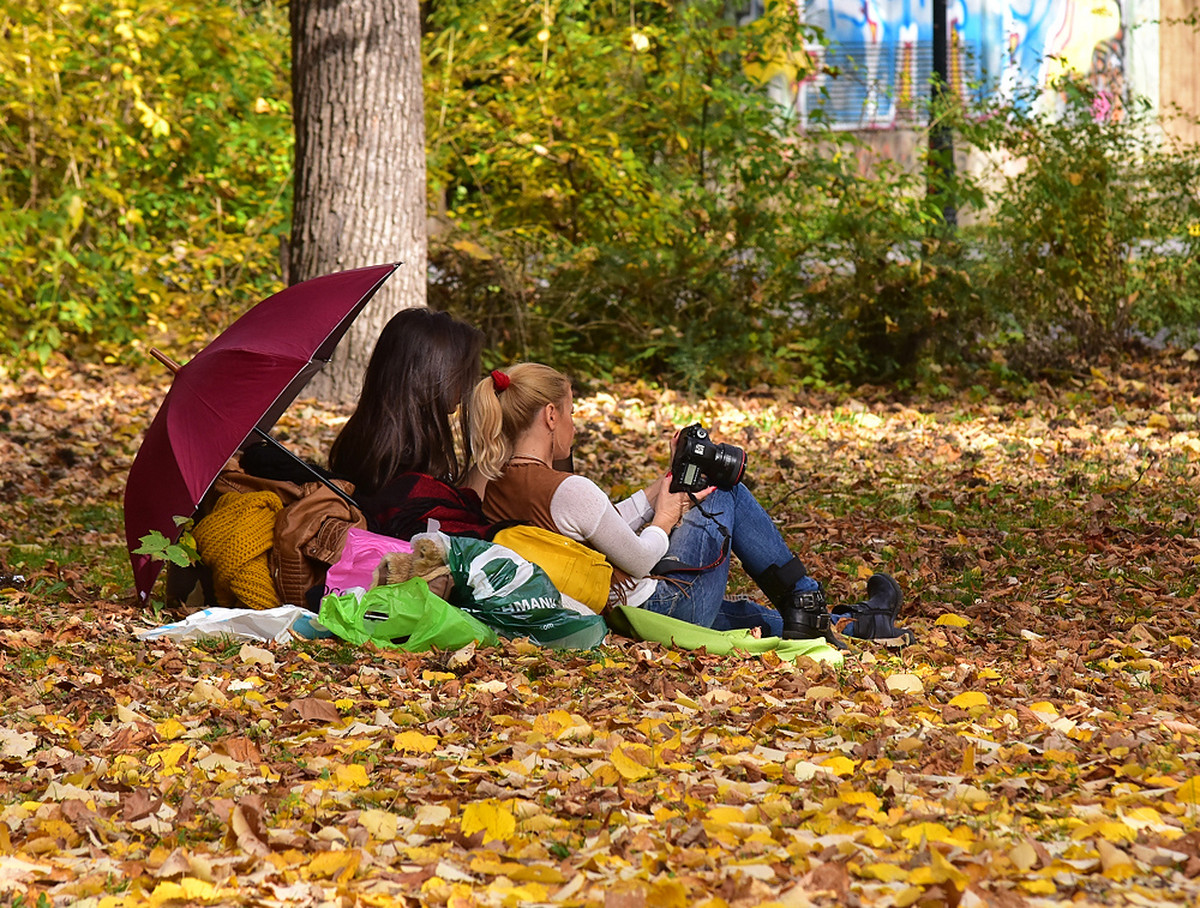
(577, 571)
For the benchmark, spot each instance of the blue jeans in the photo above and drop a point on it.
(698, 541)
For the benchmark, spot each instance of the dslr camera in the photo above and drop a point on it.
(700, 463)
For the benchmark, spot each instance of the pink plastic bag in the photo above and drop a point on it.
(360, 557)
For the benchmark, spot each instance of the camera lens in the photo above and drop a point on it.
(728, 466)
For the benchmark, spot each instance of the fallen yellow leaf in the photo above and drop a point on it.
(840, 765)
(381, 824)
(952, 620)
(188, 889)
(668, 894)
(885, 873)
(1023, 856)
(724, 813)
(1038, 887)
(926, 832)
(351, 775)
(415, 742)
(1189, 791)
(333, 865)
(170, 729)
(631, 761)
(969, 699)
(491, 817)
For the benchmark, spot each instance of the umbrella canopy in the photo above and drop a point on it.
(238, 384)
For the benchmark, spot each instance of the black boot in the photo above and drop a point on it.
(806, 617)
(805, 614)
(875, 619)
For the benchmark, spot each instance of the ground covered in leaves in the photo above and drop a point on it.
(1039, 744)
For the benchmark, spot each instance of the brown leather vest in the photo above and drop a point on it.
(523, 492)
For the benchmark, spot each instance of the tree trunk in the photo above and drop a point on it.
(359, 183)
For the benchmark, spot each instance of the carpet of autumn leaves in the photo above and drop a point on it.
(1039, 745)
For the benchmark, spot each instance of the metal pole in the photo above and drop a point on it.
(941, 142)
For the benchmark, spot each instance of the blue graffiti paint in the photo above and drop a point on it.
(875, 46)
(882, 52)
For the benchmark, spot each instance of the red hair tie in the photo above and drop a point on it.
(500, 381)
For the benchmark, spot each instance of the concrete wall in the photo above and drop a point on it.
(1179, 75)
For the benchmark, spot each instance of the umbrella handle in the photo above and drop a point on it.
(165, 360)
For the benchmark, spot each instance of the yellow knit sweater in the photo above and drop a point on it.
(233, 541)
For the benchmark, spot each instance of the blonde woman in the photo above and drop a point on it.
(670, 551)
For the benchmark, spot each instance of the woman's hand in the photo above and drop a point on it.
(655, 487)
(669, 507)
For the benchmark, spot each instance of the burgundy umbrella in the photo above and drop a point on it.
(235, 387)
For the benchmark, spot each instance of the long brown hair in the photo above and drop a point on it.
(420, 371)
(499, 413)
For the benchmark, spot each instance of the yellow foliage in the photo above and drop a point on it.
(170, 729)
(840, 765)
(415, 741)
(632, 761)
(886, 873)
(351, 775)
(187, 889)
(668, 893)
(333, 865)
(1038, 886)
(1189, 791)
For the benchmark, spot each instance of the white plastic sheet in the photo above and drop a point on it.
(278, 625)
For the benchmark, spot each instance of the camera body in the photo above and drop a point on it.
(699, 462)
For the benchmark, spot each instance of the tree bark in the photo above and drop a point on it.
(359, 182)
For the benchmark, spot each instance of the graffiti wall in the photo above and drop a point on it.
(875, 70)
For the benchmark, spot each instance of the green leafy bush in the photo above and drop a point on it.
(618, 193)
(1093, 239)
(888, 286)
(144, 167)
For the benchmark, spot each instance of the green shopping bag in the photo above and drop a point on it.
(404, 616)
(516, 597)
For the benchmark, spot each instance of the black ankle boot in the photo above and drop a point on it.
(805, 614)
(875, 619)
(806, 617)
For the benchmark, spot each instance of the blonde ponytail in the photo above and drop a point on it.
(488, 442)
(504, 405)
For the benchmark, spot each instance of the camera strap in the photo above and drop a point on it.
(672, 565)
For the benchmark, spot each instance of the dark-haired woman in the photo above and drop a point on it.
(403, 448)
(673, 549)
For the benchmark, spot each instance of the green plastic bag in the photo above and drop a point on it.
(405, 616)
(516, 597)
(643, 624)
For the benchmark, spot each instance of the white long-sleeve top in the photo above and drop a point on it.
(622, 534)
(580, 510)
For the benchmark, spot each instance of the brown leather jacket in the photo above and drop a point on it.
(310, 531)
